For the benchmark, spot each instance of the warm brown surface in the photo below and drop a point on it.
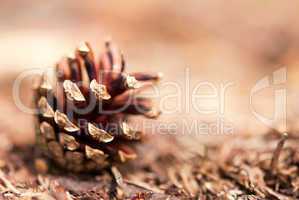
(239, 42)
(236, 41)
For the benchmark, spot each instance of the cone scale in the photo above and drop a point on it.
(81, 123)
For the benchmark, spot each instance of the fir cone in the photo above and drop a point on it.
(82, 112)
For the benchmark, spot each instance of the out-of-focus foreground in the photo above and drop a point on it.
(237, 43)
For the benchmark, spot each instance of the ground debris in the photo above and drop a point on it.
(260, 167)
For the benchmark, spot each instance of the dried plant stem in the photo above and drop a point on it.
(8, 184)
(276, 154)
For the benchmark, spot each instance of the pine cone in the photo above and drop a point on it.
(82, 119)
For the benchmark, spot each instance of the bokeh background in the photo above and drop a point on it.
(218, 41)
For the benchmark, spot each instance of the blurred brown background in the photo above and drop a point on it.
(219, 41)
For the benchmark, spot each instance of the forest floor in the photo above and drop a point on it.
(262, 166)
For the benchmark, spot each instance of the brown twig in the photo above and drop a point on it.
(276, 154)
